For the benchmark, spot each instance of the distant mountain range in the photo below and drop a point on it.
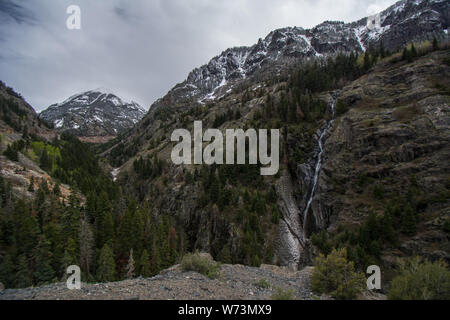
(95, 113)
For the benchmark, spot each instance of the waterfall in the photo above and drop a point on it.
(293, 245)
(318, 166)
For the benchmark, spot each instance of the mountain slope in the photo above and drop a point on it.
(19, 123)
(95, 113)
(394, 136)
(17, 116)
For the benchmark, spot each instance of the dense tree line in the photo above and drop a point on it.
(108, 235)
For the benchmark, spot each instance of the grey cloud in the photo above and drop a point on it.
(12, 10)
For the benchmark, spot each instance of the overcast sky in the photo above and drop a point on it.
(139, 49)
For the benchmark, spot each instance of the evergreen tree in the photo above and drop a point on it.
(435, 44)
(57, 190)
(131, 230)
(106, 270)
(388, 227)
(413, 51)
(31, 186)
(172, 243)
(44, 272)
(11, 154)
(2, 192)
(407, 56)
(225, 255)
(23, 276)
(7, 272)
(104, 221)
(144, 265)
(155, 262)
(367, 63)
(45, 160)
(409, 222)
(86, 246)
(27, 228)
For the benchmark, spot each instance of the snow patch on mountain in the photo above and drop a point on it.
(94, 113)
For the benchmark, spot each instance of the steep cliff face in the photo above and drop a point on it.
(392, 145)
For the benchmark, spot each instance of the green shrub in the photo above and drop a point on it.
(321, 241)
(11, 154)
(283, 294)
(201, 263)
(336, 276)
(421, 280)
(263, 284)
(378, 191)
(341, 108)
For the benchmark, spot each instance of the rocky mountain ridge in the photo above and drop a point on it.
(402, 23)
(95, 113)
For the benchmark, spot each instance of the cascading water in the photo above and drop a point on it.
(293, 245)
(318, 166)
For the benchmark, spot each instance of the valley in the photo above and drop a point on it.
(360, 175)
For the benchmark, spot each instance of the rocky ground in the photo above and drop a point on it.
(236, 282)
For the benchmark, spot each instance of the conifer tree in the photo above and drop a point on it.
(57, 190)
(367, 64)
(155, 263)
(86, 246)
(44, 272)
(435, 44)
(23, 276)
(172, 243)
(409, 222)
(27, 228)
(405, 55)
(413, 51)
(144, 265)
(106, 268)
(104, 221)
(11, 154)
(7, 272)
(45, 160)
(31, 186)
(2, 192)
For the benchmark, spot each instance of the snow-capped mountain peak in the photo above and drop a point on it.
(403, 22)
(94, 113)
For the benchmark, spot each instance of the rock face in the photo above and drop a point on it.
(396, 134)
(402, 23)
(96, 113)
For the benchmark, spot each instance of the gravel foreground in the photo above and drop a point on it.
(236, 282)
